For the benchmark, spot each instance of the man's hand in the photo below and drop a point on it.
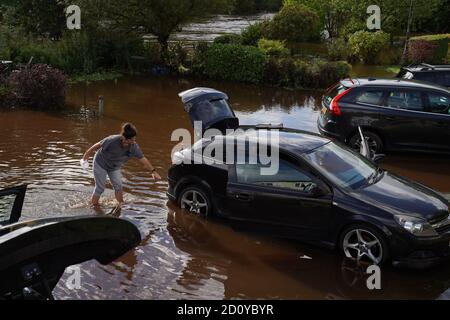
(149, 167)
(156, 176)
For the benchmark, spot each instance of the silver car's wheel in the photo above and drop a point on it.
(195, 201)
(363, 245)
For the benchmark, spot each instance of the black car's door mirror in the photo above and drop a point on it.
(315, 190)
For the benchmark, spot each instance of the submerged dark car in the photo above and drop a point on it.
(34, 254)
(323, 193)
(396, 115)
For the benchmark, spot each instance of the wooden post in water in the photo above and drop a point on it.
(101, 105)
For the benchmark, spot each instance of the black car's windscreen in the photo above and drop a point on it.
(341, 166)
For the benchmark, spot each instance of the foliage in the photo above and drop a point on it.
(41, 17)
(343, 17)
(431, 48)
(38, 86)
(367, 45)
(229, 38)
(158, 17)
(295, 23)
(338, 49)
(273, 48)
(295, 73)
(79, 52)
(254, 32)
(235, 63)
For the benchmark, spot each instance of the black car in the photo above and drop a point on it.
(34, 254)
(437, 74)
(395, 114)
(324, 192)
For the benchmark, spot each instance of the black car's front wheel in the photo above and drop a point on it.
(373, 140)
(195, 200)
(364, 243)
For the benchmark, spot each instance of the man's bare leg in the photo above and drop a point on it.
(95, 200)
(119, 197)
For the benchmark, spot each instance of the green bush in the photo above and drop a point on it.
(229, 38)
(295, 73)
(273, 48)
(338, 49)
(254, 32)
(439, 42)
(296, 23)
(367, 45)
(235, 63)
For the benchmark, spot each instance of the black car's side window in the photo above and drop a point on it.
(439, 103)
(405, 99)
(6, 206)
(374, 97)
(289, 177)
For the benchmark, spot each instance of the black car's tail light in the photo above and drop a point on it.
(334, 106)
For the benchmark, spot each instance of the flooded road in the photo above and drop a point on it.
(182, 256)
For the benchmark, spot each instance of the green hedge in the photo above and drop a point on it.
(235, 63)
(440, 42)
(295, 73)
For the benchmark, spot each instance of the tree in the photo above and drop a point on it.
(296, 23)
(41, 17)
(158, 17)
(342, 17)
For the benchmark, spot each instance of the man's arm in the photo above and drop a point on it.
(91, 151)
(147, 165)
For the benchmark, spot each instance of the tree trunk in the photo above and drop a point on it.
(164, 42)
(408, 30)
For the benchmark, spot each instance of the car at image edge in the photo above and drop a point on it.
(396, 115)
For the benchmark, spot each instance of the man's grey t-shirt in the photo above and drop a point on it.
(112, 155)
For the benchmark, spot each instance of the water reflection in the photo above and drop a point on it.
(182, 256)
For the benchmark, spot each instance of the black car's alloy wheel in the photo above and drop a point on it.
(364, 244)
(373, 140)
(195, 200)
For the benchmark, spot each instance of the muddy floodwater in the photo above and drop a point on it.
(182, 256)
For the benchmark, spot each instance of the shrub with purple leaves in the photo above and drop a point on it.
(421, 51)
(38, 86)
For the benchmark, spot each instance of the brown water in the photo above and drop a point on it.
(182, 256)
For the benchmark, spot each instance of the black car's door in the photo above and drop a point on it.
(11, 202)
(286, 203)
(402, 118)
(437, 120)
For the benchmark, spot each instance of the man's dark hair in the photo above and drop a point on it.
(129, 131)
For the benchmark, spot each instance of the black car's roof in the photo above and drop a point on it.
(394, 82)
(294, 141)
